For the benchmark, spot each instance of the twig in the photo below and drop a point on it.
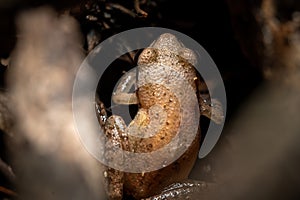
(7, 171)
(7, 191)
(122, 8)
(138, 9)
(106, 26)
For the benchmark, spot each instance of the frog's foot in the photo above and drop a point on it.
(189, 189)
(212, 110)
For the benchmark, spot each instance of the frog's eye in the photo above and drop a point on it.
(189, 55)
(147, 56)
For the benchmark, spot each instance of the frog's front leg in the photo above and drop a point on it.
(114, 130)
(212, 109)
(209, 107)
(122, 94)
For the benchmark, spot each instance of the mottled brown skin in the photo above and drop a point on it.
(148, 184)
(157, 94)
(165, 51)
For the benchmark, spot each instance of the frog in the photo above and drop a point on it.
(158, 107)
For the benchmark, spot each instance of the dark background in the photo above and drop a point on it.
(227, 30)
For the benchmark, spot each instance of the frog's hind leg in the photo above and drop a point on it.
(115, 142)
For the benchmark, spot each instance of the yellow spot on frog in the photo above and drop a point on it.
(142, 119)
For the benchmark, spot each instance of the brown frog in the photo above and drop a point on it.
(165, 75)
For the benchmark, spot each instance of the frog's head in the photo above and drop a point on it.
(168, 41)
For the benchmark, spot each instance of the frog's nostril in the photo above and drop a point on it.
(167, 41)
(167, 36)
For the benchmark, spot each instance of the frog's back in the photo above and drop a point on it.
(168, 80)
